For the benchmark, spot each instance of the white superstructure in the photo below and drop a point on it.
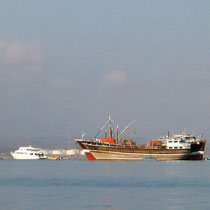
(180, 141)
(28, 153)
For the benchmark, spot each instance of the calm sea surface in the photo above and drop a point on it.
(82, 184)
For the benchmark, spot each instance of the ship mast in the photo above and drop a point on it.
(117, 130)
(110, 127)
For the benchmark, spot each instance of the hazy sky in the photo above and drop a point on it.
(67, 65)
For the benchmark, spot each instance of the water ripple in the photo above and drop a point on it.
(103, 182)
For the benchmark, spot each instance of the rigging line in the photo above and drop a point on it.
(108, 121)
(126, 127)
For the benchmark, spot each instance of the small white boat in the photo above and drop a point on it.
(28, 153)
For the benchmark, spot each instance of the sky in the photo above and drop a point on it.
(65, 66)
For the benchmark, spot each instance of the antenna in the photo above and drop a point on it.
(83, 135)
(110, 120)
(69, 137)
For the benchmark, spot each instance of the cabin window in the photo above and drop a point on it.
(175, 147)
(182, 141)
(170, 141)
(175, 141)
(180, 147)
(170, 147)
(31, 153)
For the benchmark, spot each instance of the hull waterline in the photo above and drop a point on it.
(104, 155)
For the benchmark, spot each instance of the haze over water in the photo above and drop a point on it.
(82, 184)
(70, 64)
(66, 65)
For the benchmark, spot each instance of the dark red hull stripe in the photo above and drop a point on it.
(89, 156)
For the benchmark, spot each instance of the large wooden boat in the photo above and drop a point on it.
(177, 147)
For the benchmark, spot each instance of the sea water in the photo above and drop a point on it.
(83, 184)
